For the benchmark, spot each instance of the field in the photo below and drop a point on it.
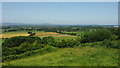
(77, 32)
(60, 47)
(52, 34)
(40, 34)
(78, 56)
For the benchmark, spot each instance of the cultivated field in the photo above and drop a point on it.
(40, 34)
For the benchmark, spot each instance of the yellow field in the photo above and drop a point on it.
(39, 34)
(50, 33)
(12, 35)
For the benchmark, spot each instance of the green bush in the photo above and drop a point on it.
(20, 45)
(66, 43)
(48, 40)
(111, 44)
(95, 35)
(16, 41)
(49, 49)
(28, 53)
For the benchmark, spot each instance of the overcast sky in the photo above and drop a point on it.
(103, 13)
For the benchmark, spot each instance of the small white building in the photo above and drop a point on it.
(116, 26)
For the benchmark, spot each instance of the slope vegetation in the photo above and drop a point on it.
(77, 56)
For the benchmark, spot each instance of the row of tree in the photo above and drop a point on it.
(50, 28)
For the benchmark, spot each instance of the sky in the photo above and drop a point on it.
(0, 13)
(101, 13)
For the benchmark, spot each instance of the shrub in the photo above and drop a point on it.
(28, 53)
(96, 35)
(115, 44)
(49, 49)
(67, 43)
(48, 40)
(31, 34)
(111, 44)
(21, 44)
(16, 41)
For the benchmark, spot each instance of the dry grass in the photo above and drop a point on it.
(12, 35)
(40, 34)
(47, 33)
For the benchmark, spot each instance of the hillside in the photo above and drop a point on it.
(77, 56)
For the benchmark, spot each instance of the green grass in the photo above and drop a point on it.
(77, 56)
(77, 32)
(22, 32)
(65, 38)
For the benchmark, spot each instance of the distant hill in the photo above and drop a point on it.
(14, 24)
(50, 24)
(9, 24)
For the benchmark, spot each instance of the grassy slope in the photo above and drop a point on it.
(79, 56)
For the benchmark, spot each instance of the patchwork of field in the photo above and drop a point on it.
(38, 33)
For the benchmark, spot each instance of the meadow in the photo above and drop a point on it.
(78, 56)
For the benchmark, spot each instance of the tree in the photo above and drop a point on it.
(16, 41)
(48, 40)
(95, 35)
(31, 34)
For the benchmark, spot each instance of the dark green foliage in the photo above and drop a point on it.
(67, 33)
(107, 42)
(28, 53)
(31, 34)
(67, 43)
(24, 46)
(32, 39)
(21, 44)
(111, 44)
(48, 40)
(96, 35)
(64, 43)
(16, 41)
(116, 32)
(47, 28)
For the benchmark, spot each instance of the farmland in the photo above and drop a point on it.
(40, 34)
(60, 46)
(60, 34)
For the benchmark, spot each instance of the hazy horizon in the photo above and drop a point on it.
(99, 13)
